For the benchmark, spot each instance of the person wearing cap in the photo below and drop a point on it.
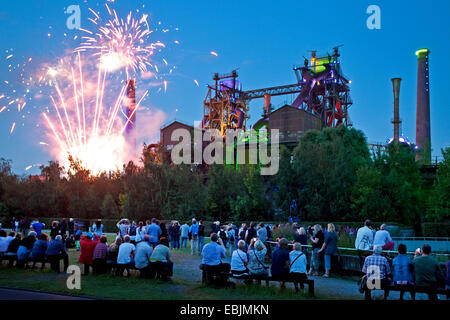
(56, 251)
(193, 230)
(87, 247)
(377, 269)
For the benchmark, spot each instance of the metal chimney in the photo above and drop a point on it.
(267, 99)
(423, 135)
(131, 105)
(396, 121)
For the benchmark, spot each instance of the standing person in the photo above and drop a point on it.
(71, 227)
(164, 233)
(215, 227)
(140, 232)
(317, 243)
(174, 234)
(142, 257)
(427, 272)
(262, 233)
(297, 265)
(280, 262)
(364, 237)
(63, 226)
(154, 232)
(55, 229)
(231, 239)
(193, 230)
(201, 236)
(13, 224)
(402, 268)
(56, 251)
(329, 247)
(184, 234)
(100, 255)
(132, 232)
(383, 239)
(223, 235)
(251, 233)
(88, 243)
(123, 225)
(97, 228)
(37, 227)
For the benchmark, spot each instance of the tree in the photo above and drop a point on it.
(439, 201)
(325, 165)
(109, 208)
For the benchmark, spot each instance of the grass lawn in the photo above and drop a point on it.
(185, 283)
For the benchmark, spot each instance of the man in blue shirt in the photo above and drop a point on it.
(193, 230)
(37, 227)
(55, 252)
(154, 232)
(142, 257)
(212, 263)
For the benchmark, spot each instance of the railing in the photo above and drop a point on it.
(273, 243)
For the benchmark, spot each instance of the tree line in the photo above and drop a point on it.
(331, 175)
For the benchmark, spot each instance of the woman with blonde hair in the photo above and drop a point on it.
(317, 242)
(329, 247)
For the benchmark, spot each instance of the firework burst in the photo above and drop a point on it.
(120, 43)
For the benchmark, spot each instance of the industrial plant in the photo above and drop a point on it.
(322, 99)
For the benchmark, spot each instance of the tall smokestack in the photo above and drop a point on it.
(396, 122)
(131, 106)
(423, 135)
(267, 99)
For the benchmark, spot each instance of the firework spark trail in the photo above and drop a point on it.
(82, 97)
(80, 133)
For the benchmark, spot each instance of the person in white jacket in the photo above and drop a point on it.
(364, 237)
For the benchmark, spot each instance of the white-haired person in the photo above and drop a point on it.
(297, 265)
(256, 253)
(377, 269)
(56, 251)
(239, 260)
(329, 248)
(383, 239)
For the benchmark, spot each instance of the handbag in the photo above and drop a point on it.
(362, 284)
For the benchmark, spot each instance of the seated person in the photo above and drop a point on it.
(38, 250)
(125, 257)
(12, 249)
(376, 268)
(24, 250)
(56, 251)
(239, 260)
(100, 255)
(383, 238)
(113, 251)
(5, 240)
(297, 262)
(142, 256)
(402, 268)
(213, 253)
(427, 272)
(69, 241)
(280, 261)
(87, 247)
(161, 256)
(257, 252)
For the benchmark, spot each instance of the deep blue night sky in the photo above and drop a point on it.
(264, 39)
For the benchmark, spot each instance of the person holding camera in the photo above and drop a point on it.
(213, 253)
(257, 252)
(239, 260)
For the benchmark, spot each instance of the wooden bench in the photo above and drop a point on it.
(407, 288)
(267, 279)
